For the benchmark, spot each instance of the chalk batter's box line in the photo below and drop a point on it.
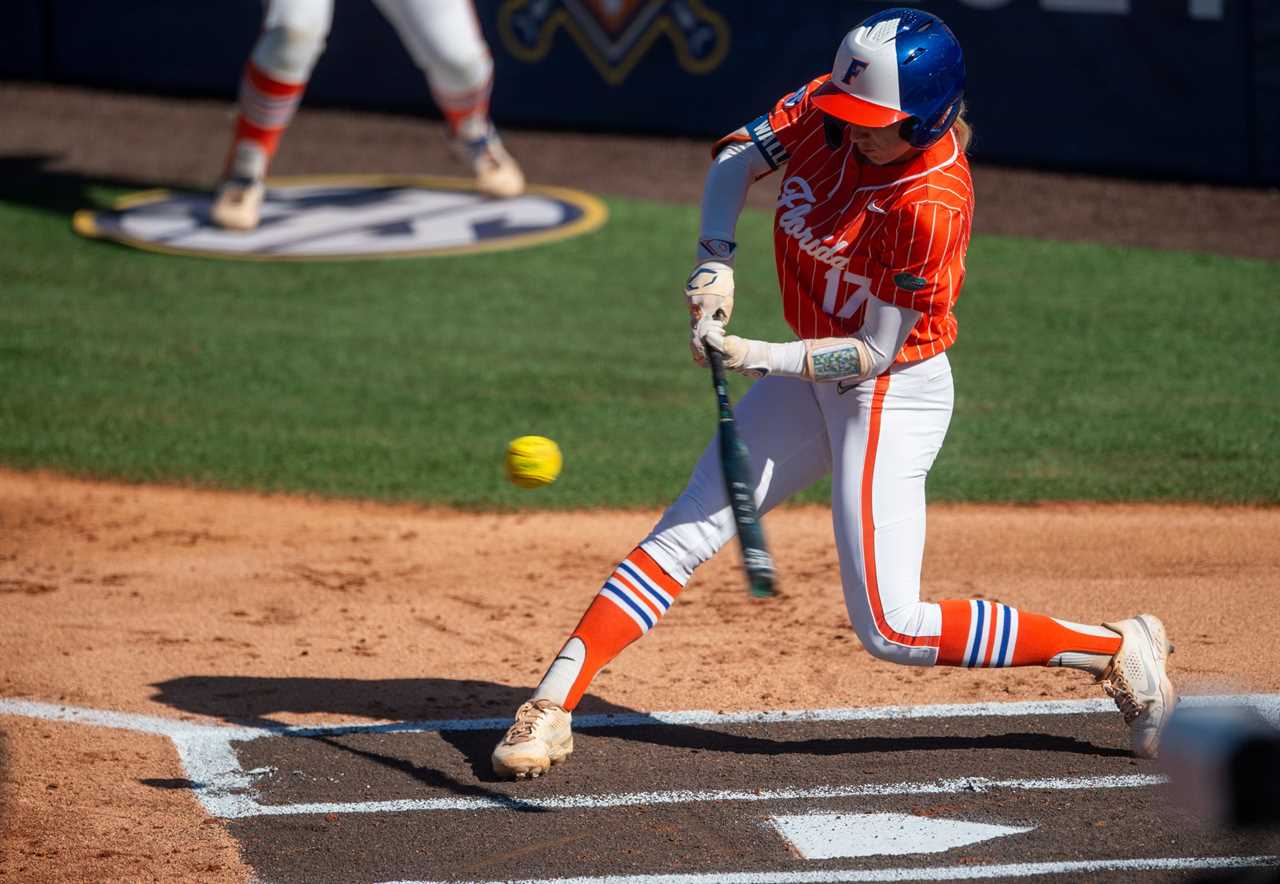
(926, 873)
(226, 790)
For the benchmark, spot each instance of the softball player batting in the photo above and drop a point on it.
(444, 39)
(872, 224)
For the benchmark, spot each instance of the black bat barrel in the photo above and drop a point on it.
(735, 463)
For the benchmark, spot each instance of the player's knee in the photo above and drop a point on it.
(887, 649)
(459, 72)
(289, 53)
(882, 648)
(892, 640)
(686, 536)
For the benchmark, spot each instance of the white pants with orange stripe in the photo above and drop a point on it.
(878, 441)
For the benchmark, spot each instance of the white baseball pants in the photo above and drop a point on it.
(442, 36)
(878, 440)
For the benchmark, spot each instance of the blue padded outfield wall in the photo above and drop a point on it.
(1171, 88)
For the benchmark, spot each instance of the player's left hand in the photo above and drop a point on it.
(742, 355)
(709, 297)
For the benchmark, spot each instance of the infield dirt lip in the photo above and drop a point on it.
(285, 647)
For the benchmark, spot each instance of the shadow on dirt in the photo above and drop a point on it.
(27, 180)
(258, 701)
(707, 740)
(4, 774)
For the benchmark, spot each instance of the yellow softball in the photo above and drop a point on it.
(533, 461)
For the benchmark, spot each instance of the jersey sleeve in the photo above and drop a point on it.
(776, 132)
(919, 255)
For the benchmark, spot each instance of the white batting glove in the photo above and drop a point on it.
(698, 331)
(743, 355)
(709, 296)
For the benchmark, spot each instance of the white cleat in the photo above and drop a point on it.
(238, 203)
(1137, 681)
(497, 173)
(540, 737)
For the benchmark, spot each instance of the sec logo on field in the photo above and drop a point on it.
(350, 217)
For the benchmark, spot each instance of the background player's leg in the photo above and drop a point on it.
(886, 437)
(293, 36)
(445, 41)
(782, 428)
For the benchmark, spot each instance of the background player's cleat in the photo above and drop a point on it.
(496, 171)
(237, 205)
(540, 737)
(1137, 681)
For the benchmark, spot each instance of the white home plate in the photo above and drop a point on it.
(349, 217)
(840, 835)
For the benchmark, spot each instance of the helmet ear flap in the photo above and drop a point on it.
(907, 129)
(918, 135)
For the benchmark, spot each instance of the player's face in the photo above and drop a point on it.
(880, 146)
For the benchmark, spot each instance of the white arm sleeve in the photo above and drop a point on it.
(864, 355)
(884, 331)
(731, 174)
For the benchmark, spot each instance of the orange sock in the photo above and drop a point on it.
(982, 633)
(267, 106)
(630, 603)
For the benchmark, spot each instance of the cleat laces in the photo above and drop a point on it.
(1118, 689)
(527, 718)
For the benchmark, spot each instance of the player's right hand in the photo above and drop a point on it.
(743, 355)
(698, 332)
(709, 297)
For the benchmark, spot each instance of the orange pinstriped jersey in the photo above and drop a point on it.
(846, 229)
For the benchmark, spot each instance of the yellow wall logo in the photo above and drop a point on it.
(615, 34)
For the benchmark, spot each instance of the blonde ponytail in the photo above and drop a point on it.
(963, 130)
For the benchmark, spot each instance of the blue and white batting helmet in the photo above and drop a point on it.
(900, 64)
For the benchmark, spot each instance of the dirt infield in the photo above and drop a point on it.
(204, 606)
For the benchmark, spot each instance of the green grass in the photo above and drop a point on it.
(1082, 371)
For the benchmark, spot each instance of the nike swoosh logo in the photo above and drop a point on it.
(842, 387)
(872, 207)
(563, 657)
